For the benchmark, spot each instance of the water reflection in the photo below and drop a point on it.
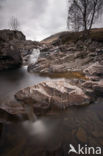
(13, 80)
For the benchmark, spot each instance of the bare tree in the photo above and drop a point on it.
(82, 14)
(14, 23)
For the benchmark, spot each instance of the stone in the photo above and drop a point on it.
(81, 135)
(96, 69)
(12, 107)
(10, 57)
(98, 88)
(62, 58)
(15, 50)
(94, 88)
(51, 95)
(9, 35)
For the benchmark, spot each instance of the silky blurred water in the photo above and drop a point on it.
(49, 135)
(12, 81)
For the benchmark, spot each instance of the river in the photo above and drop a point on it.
(49, 135)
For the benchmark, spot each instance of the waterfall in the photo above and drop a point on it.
(34, 56)
(30, 113)
(29, 107)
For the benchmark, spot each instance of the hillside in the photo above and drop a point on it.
(65, 37)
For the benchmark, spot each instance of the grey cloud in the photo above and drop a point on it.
(38, 18)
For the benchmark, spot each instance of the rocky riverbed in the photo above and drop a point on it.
(79, 63)
(63, 86)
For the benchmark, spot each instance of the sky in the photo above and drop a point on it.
(38, 18)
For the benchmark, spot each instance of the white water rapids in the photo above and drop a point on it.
(34, 56)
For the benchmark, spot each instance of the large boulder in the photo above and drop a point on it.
(50, 95)
(9, 35)
(22, 49)
(10, 57)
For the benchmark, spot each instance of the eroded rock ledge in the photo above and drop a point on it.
(65, 58)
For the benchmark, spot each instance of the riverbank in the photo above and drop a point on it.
(63, 85)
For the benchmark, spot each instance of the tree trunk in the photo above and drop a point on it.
(93, 16)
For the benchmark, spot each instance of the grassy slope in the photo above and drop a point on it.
(95, 34)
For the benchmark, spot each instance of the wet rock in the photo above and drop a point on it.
(98, 88)
(12, 107)
(95, 69)
(6, 117)
(81, 135)
(93, 88)
(89, 84)
(59, 62)
(70, 57)
(97, 134)
(10, 57)
(64, 58)
(15, 49)
(52, 95)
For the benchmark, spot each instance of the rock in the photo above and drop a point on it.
(94, 89)
(57, 62)
(66, 58)
(10, 57)
(81, 135)
(95, 69)
(98, 89)
(96, 134)
(15, 49)
(9, 35)
(6, 117)
(12, 107)
(88, 84)
(58, 94)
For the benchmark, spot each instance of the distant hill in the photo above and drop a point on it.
(67, 36)
(54, 37)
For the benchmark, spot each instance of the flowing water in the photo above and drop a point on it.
(34, 56)
(49, 135)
